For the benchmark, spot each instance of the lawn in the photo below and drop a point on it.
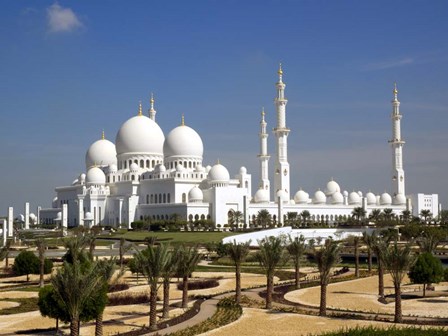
(175, 237)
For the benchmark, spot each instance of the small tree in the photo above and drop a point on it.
(426, 270)
(238, 254)
(4, 253)
(41, 245)
(354, 241)
(270, 257)
(26, 263)
(187, 260)
(296, 249)
(51, 306)
(122, 249)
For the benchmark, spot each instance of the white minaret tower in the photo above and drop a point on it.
(281, 176)
(263, 156)
(397, 147)
(152, 112)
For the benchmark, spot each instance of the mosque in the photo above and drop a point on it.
(146, 174)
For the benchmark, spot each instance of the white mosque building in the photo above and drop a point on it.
(146, 174)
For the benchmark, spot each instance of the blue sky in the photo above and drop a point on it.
(70, 69)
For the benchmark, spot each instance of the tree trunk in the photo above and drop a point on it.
(269, 289)
(323, 300)
(153, 307)
(74, 327)
(369, 257)
(380, 279)
(99, 325)
(41, 273)
(166, 298)
(7, 261)
(398, 315)
(27, 277)
(185, 291)
(356, 260)
(424, 290)
(238, 283)
(297, 274)
(57, 325)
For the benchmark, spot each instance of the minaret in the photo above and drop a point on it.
(152, 112)
(281, 176)
(140, 109)
(263, 156)
(397, 147)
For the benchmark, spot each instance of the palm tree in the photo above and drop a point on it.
(359, 214)
(375, 215)
(369, 240)
(75, 248)
(305, 215)
(296, 249)
(235, 218)
(270, 257)
(264, 218)
(41, 245)
(292, 218)
(167, 273)
(153, 260)
(74, 285)
(4, 253)
(354, 240)
(398, 261)
(106, 270)
(388, 215)
(430, 238)
(406, 216)
(238, 253)
(187, 260)
(326, 257)
(425, 214)
(122, 249)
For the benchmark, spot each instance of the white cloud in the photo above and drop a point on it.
(62, 19)
(389, 64)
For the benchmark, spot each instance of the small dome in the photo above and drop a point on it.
(400, 199)
(180, 168)
(133, 167)
(345, 193)
(218, 174)
(140, 134)
(284, 197)
(88, 216)
(261, 196)
(183, 141)
(243, 171)
(360, 193)
(207, 169)
(319, 197)
(301, 197)
(371, 198)
(101, 153)
(195, 195)
(354, 198)
(112, 168)
(385, 199)
(95, 176)
(33, 217)
(337, 198)
(199, 168)
(331, 188)
(58, 216)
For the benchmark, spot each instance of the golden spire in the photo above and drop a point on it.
(217, 162)
(152, 99)
(262, 112)
(140, 110)
(395, 88)
(102, 136)
(280, 71)
(182, 122)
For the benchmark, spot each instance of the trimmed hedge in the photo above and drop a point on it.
(199, 284)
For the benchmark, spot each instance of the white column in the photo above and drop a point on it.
(27, 216)
(4, 232)
(10, 221)
(39, 208)
(64, 219)
(81, 211)
(398, 177)
(281, 174)
(264, 157)
(280, 212)
(120, 210)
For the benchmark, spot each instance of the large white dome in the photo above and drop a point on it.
(183, 141)
(301, 197)
(385, 199)
(332, 187)
(195, 195)
(337, 198)
(354, 198)
(101, 153)
(95, 176)
(140, 135)
(261, 196)
(284, 197)
(400, 199)
(371, 198)
(319, 197)
(218, 174)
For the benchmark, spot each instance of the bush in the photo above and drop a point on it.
(118, 287)
(128, 299)
(199, 284)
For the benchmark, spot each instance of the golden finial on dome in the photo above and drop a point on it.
(395, 88)
(280, 71)
(182, 122)
(217, 162)
(152, 98)
(102, 136)
(140, 110)
(262, 112)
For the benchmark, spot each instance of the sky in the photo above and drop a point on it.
(70, 69)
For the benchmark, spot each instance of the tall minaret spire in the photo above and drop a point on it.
(263, 156)
(397, 143)
(281, 176)
(152, 112)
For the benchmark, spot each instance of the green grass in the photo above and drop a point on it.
(26, 305)
(408, 331)
(175, 237)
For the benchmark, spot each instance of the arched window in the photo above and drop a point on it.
(202, 217)
(208, 217)
(152, 198)
(142, 164)
(147, 199)
(196, 217)
(160, 198)
(164, 198)
(147, 163)
(184, 198)
(130, 162)
(246, 184)
(169, 198)
(136, 161)
(190, 217)
(132, 177)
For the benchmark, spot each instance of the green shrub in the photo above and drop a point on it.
(199, 284)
